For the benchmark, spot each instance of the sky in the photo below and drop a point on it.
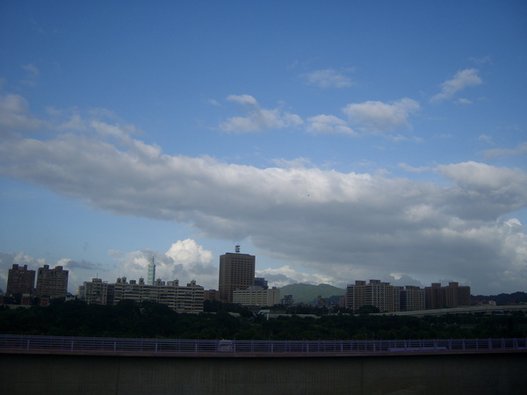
(335, 140)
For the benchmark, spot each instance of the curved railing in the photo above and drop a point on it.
(186, 347)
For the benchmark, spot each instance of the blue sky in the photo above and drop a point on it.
(336, 141)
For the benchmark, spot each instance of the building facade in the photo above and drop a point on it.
(20, 281)
(452, 295)
(211, 294)
(182, 299)
(457, 295)
(94, 292)
(52, 282)
(412, 298)
(434, 296)
(236, 272)
(379, 294)
(256, 296)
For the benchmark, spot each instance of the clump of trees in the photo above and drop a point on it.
(152, 320)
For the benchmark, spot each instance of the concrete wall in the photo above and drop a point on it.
(448, 374)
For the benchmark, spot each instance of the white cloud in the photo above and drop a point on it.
(328, 124)
(31, 69)
(328, 78)
(258, 118)
(15, 116)
(377, 116)
(415, 169)
(480, 176)
(519, 150)
(123, 135)
(482, 191)
(214, 102)
(293, 163)
(32, 73)
(461, 80)
(485, 138)
(189, 253)
(73, 123)
(464, 101)
(481, 60)
(243, 99)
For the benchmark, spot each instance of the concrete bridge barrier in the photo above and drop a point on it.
(481, 373)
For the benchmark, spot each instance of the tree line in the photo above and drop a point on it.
(152, 320)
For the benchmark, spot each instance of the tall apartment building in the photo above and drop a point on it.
(20, 281)
(453, 295)
(236, 272)
(183, 299)
(256, 296)
(412, 298)
(52, 282)
(434, 296)
(355, 295)
(376, 293)
(457, 295)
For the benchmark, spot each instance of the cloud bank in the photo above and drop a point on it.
(338, 226)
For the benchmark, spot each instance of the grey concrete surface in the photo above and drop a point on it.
(400, 375)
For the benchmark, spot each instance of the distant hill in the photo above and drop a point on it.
(502, 299)
(307, 293)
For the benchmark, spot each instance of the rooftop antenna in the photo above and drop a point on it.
(237, 248)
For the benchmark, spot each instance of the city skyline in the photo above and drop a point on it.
(335, 142)
(236, 285)
(259, 282)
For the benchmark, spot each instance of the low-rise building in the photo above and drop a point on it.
(94, 292)
(183, 299)
(256, 296)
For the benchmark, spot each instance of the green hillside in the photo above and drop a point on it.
(307, 293)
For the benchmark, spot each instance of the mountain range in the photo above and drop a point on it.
(307, 293)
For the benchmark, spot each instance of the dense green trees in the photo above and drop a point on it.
(150, 320)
